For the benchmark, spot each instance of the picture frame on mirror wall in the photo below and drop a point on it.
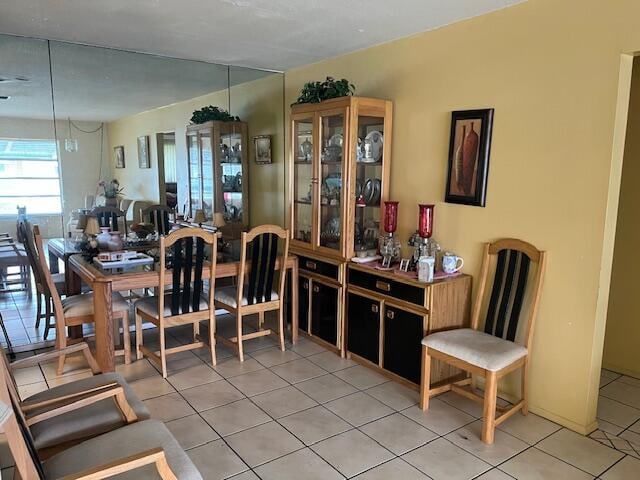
(118, 153)
(144, 160)
(262, 144)
(469, 152)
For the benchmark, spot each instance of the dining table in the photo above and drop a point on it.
(104, 281)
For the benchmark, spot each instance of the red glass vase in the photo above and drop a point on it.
(390, 216)
(425, 220)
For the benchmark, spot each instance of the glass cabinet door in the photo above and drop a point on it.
(332, 161)
(208, 187)
(368, 184)
(195, 177)
(231, 163)
(303, 179)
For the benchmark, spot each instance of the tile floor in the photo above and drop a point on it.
(306, 413)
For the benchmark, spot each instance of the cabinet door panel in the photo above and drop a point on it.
(324, 312)
(403, 333)
(363, 327)
(303, 303)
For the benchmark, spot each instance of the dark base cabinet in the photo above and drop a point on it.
(403, 334)
(303, 303)
(363, 327)
(324, 312)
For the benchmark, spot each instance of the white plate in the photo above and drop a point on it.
(373, 142)
(336, 140)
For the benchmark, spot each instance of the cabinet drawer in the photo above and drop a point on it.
(319, 267)
(391, 288)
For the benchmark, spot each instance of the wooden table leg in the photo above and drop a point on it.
(294, 302)
(54, 267)
(73, 287)
(103, 315)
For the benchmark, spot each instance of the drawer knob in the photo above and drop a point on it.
(374, 308)
(316, 288)
(305, 285)
(311, 265)
(380, 285)
(391, 314)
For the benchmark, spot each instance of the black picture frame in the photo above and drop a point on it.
(468, 163)
(118, 153)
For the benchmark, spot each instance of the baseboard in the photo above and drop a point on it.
(621, 370)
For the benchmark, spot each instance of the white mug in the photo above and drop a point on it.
(451, 263)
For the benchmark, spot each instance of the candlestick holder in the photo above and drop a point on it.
(421, 241)
(389, 245)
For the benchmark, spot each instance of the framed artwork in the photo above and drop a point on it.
(119, 156)
(263, 148)
(143, 152)
(469, 150)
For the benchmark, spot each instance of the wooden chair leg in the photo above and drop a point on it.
(196, 331)
(61, 360)
(39, 311)
(212, 339)
(260, 320)
(281, 326)
(489, 410)
(524, 389)
(139, 336)
(239, 335)
(47, 315)
(126, 338)
(425, 379)
(163, 353)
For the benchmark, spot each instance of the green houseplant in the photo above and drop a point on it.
(315, 92)
(206, 114)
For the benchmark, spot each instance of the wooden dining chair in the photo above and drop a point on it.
(14, 266)
(257, 291)
(504, 344)
(110, 217)
(42, 292)
(158, 215)
(77, 310)
(145, 449)
(185, 303)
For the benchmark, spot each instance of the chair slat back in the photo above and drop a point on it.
(108, 217)
(510, 286)
(158, 215)
(188, 252)
(260, 246)
(23, 450)
(26, 232)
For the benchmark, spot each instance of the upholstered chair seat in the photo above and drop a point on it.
(477, 348)
(149, 305)
(88, 421)
(82, 304)
(229, 295)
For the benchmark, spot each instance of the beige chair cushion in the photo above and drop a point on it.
(101, 417)
(82, 304)
(121, 443)
(477, 348)
(149, 305)
(228, 296)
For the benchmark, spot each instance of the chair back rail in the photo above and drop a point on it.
(260, 245)
(158, 215)
(25, 230)
(508, 290)
(108, 217)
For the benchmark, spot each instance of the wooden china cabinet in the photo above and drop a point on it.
(218, 171)
(339, 174)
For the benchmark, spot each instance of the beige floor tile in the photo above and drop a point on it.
(6, 460)
(298, 371)
(608, 427)
(55, 381)
(150, 387)
(260, 343)
(581, 452)
(191, 431)
(331, 361)
(440, 418)
(635, 427)
(608, 374)
(270, 357)
(306, 348)
(235, 417)
(168, 407)
(73, 365)
(625, 469)
(617, 413)
(630, 380)
(264, 443)
(283, 401)
(314, 425)
(358, 408)
(395, 395)
(530, 428)
(304, 462)
(504, 447)
(361, 377)
(398, 434)
(395, 469)
(258, 382)
(25, 391)
(232, 367)
(248, 475)
(534, 464)
(193, 376)
(136, 370)
(326, 388)
(494, 474)
(25, 376)
(211, 395)
(352, 452)
(216, 460)
(442, 460)
(632, 437)
(623, 393)
(462, 403)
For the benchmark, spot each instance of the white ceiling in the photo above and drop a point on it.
(268, 34)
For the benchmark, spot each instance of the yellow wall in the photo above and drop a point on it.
(551, 69)
(259, 103)
(621, 352)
